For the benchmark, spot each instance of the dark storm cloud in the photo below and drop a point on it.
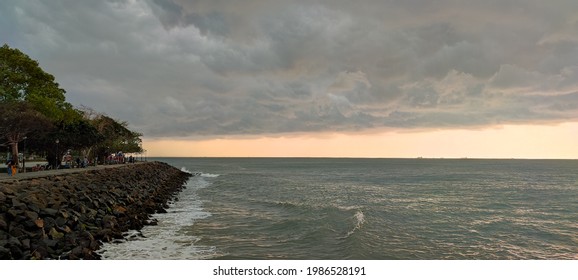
(187, 68)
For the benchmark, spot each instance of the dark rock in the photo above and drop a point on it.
(26, 244)
(49, 222)
(76, 253)
(18, 204)
(109, 221)
(36, 198)
(7, 189)
(64, 213)
(16, 252)
(29, 224)
(48, 212)
(13, 241)
(17, 230)
(55, 234)
(60, 221)
(49, 243)
(31, 215)
(12, 214)
(3, 223)
(34, 208)
(5, 254)
(67, 216)
(39, 250)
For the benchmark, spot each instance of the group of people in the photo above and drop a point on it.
(78, 163)
(119, 158)
(11, 167)
(68, 162)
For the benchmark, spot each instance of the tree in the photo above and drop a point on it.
(116, 134)
(19, 120)
(31, 102)
(78, 135)
(21, 78)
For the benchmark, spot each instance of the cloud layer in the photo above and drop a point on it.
(213, 67)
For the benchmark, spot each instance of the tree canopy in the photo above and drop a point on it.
(21, 78)
(33, 107)
(19, 121)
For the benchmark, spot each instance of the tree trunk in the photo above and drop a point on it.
(14, 148)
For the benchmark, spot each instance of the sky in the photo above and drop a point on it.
(317, 78)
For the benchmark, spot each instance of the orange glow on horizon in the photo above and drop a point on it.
(509, 141)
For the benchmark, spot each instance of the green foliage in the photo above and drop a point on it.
(117, 136)
(21, 78)
(19, 121)
(32, 105)
(80, 134)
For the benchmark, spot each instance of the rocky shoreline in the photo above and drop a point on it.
(68, 216)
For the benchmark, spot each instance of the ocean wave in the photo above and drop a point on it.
(172, 237)
(209, 175)
(184, 169)
(359, 220)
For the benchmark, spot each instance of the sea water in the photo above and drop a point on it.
(311, 208)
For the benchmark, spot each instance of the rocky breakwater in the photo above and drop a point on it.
(68, 216)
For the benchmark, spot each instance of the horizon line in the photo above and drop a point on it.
(329, 157)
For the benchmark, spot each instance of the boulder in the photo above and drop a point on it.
(55, 234)
(5, 253)
(48, 212)
(31, 215)
(7, 189)
(3, 223)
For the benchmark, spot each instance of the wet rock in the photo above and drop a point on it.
(109, 221)
(76, 253)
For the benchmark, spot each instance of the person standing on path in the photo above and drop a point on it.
(11, 167)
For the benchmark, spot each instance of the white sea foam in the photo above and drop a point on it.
(359, 220)
(184, 169)
(171, 238)
(206, 175)
(209, 175)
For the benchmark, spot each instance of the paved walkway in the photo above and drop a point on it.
(39, 174)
